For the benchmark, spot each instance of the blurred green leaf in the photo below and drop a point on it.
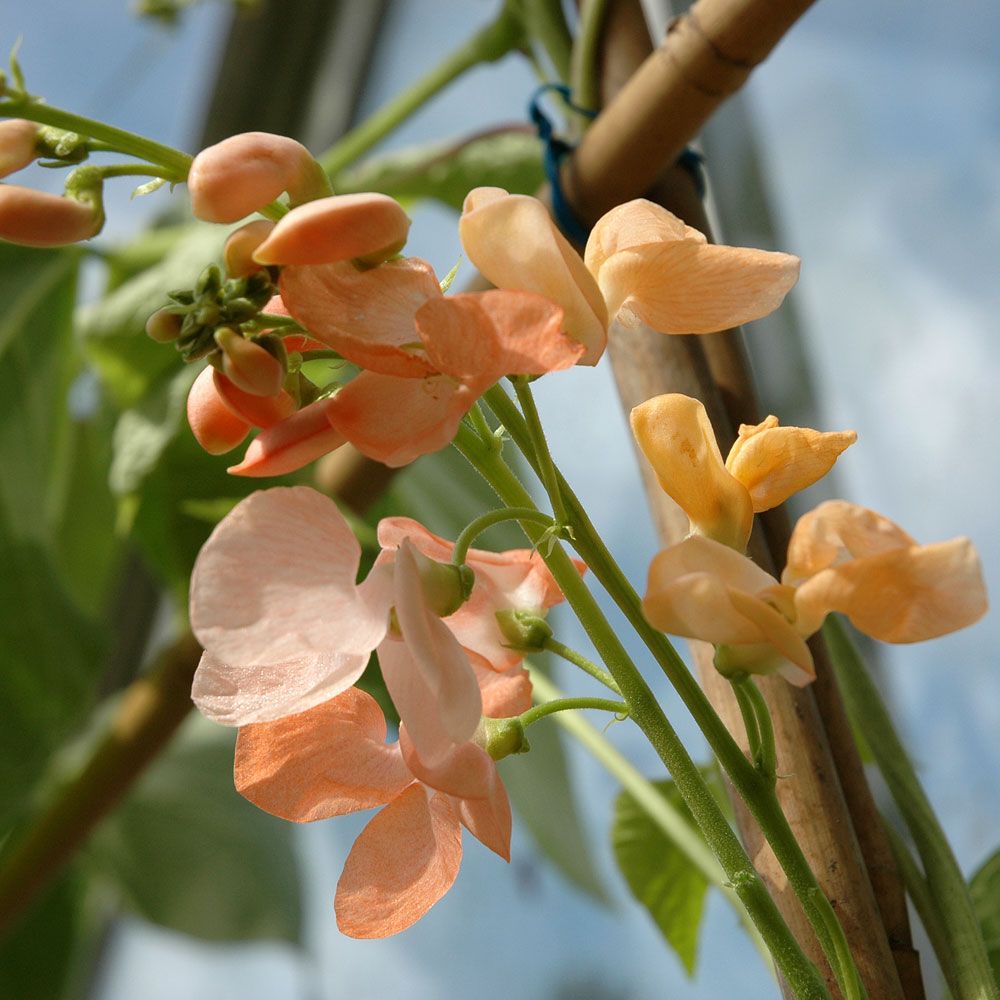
(113, 329)
(186, 852)
(658, 873)
(985, 890)
(447, 172)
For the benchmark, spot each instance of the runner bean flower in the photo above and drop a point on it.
(841, 557)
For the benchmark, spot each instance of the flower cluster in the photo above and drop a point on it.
(841, 557)
(288, 631)
(424, 357)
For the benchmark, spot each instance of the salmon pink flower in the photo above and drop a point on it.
(241, 244)
(18, 145)
(765, 466)
(39, 219)
(515, 244)
(841, 558)
(654, 269)
(214, 425)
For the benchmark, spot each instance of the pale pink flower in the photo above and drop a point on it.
(38, 219)
(18, 145)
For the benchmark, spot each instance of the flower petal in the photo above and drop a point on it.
(235, 695)
(327, 761)
(686, 286)
(516, 246)
(774, 462)
(836, 532)
(295, 442)
(505, 694)
(366, 315)
(214, 425)
(677, 438)
(405, 860)
(259, 411)
(482, 336)
(488, 819)
(466, 771)
(395, 420)
(902, 595)
(275, 582)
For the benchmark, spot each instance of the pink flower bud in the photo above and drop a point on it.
(164, 326)
(371, 227)
(215, 426)
(245, 172)
(38, 219)
(249, 366)
(259, 411)
(17, 145)
(240, 247)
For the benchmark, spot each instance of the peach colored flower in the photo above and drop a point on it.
(368, 227)
(237, 254)
(214, 424)
(248, 365)
(654, 269)
(765, 466)
(39, 219)
(516, 245)
(841, 558)
(517, 579)
(333, 759)
(245, 172)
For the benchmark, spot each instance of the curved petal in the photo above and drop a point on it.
(686, 286)
(455, 705)
(405, 860)
(32, 218)
(506, 693)
(216, 428)
(327, 761)
(298, 440)
(780, 634)
(260, 411)
(238, 695)
(466, 771)
(901, 595)
(275, 582)
(677, 438)
(395, 420)
(637, 223)
(18, 140)
(340, 227)
(482, 336)
(836, 532)
(366, 315)
(514, 243)
(488, 819)
(774, 462)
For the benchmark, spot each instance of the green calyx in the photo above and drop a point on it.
(525, 631)
(502, 737)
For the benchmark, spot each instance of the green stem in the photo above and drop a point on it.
(540, 446)
(916, 887)
(649, 716)
(762, 744)
(120, 140)
(753, 788)
(474, 529)
(478, 420)
(488, 45)
(553, 645)
(660, 809)
(946, 884)
(132, 170)
(532, 716)
(585, 84)
(749, 719)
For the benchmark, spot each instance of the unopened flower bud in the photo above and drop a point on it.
(524, 630)
(248, 365)
(260, 411)
(368, 227)
(38, 219)
(240, 246)
(164, 326)
(18, 139)
(245, 172)
(502, 737)
(209, 281)
(736, 661)
(216, 428)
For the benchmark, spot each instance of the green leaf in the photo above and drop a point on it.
(661, 878)
(186, 852)
(984, 888)
(541, 791)
(447, 172)
(113, 329)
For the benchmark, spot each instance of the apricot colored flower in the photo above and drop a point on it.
(18, 145)
(517, 579)
(765, 466)
(841, 558)
(515, 244)
(38, 219)
(654, 269)
(245, 172)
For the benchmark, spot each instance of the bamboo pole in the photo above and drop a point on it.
(707, 55)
